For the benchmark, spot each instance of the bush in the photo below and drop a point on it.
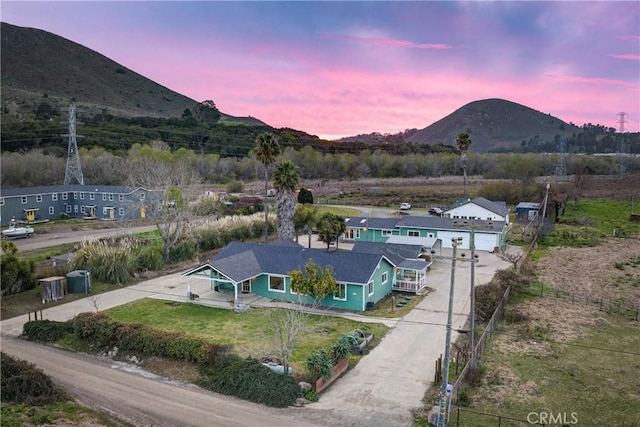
(150, 258)
(23, 383)
(105, 332)
(46, 330)
(185, 249)
(251, 380)
(319, 364)
(109, 262)
(235, 187)
(16, 275)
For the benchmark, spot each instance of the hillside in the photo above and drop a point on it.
(38, 66)
(494, 125)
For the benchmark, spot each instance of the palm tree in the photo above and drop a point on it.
(266, 150)
(285, 181)
(463, 142)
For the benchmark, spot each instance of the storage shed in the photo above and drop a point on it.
(52, 288)
(527, 211)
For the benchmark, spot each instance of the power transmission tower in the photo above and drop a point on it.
(561, 168)
(73, 170)
(620, 120)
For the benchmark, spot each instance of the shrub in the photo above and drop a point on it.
(251, 380)
(22, 382)
(46, 330)
(342, 347)
(103, 331)
(16, 275)
(109, 262)
(235, 187)
(319, 364)
(311, 395)
(150, 258)
(184, 250)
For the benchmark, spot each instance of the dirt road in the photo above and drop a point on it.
(143, 399)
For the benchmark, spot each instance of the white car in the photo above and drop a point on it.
(405, 206)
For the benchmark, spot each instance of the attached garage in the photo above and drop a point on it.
(484, 241)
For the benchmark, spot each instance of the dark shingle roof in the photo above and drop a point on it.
(25, 191)
(240, 261)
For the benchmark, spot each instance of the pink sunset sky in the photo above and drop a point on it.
(337, 69)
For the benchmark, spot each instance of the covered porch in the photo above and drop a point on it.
(220, 287)
(411, 276)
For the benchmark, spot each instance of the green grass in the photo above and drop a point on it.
(591, 221)
(249, 333)
(74, 414)
(596, 377)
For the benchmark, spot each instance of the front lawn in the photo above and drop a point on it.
(250, 333)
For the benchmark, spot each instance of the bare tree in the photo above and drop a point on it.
(288, 325)
(512, 257)
(171, 185)
(95, 302)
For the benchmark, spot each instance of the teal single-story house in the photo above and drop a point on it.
(364, 278)
(488, 234)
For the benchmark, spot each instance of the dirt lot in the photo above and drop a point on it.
(609, 270)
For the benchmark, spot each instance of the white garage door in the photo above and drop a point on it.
(446, 237)
(486, 241)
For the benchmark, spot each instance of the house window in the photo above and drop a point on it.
(431, 235)
(51, 211)
(64, 196)
(67, 208)
(370, 287)
(54, 197)
(384, 277)
(82, 208)
(121, 211)
(104, 197)
(111, 197)
(276, 283)
(75, 195)
(92, 196)
(342, 292)
(24, 200)
(413, 233)
(1, 201)
(39, 198)
(386, 233)
(120, 198)
(82, 196)
(75, 208)
(141, 196)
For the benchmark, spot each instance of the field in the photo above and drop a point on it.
(568, 356)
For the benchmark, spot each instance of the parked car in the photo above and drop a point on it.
(436, 211)
(405, 206)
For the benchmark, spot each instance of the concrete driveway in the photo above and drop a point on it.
(392, 380)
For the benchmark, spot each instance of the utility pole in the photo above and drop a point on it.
(443, 409)
(472, 314)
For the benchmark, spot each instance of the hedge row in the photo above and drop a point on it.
(22, 382)
(46, 330)
(104, 332)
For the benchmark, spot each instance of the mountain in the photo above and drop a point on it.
(494, 125)
(38, 66)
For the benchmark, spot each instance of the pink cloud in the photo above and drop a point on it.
(592, 80)
(389, 42)
(627, 56)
